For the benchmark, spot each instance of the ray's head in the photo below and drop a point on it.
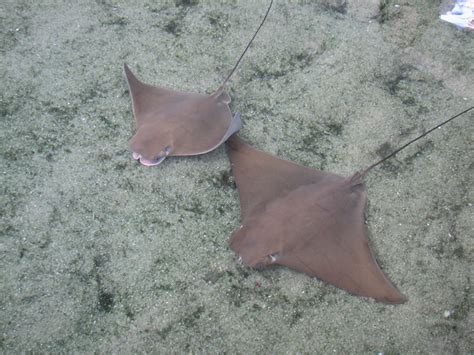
(252, 251)
(149, 149)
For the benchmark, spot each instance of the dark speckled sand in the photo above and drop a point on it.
(101, 254)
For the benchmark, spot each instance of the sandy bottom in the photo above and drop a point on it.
(101, 254)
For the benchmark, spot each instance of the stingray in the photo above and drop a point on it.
(175, 123)
(308, 220)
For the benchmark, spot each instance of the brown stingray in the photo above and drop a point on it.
(175, 123)
(309, 220)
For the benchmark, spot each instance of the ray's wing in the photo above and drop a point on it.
(335, 248)
(262, 177)
(148, 100)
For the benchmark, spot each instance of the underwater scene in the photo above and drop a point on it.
(195, 176)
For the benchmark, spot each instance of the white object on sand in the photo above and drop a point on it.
(461, 15)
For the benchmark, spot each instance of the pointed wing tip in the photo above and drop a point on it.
(396, 298)
(129, 76)
(126, 70)
(385, 293)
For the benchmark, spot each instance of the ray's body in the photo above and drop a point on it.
(309, 220)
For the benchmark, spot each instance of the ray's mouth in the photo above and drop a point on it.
(152, 162)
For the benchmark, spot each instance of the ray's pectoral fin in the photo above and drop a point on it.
(337, 251)
(308, 220)
(145, 98)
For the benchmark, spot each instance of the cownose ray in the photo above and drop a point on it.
(175, 123)
(308, 220)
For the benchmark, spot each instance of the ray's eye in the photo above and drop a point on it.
(164, 153)
(272, 258)
(267, 260)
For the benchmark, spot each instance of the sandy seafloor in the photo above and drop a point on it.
(99, 253)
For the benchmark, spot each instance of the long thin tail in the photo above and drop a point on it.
(248, 45)
(413, 141)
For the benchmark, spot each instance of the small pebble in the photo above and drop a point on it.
(448, 314)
